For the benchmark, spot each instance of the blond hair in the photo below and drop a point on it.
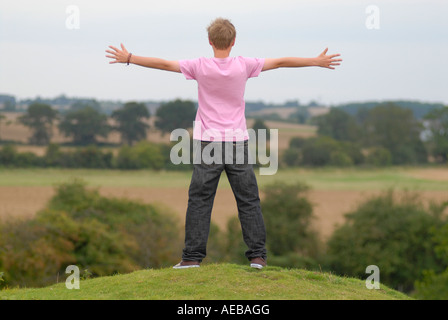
(221, 33)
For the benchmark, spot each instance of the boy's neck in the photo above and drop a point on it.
(222, 53)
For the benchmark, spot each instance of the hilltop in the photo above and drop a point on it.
(212, 282)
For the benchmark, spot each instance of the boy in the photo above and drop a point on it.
(221, 84)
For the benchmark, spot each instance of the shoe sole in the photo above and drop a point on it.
(186, 267)
(256, 266)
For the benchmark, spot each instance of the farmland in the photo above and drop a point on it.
(333, 192)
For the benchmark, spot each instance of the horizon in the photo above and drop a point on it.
(267, 103)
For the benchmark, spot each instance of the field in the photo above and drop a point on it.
(333, 192)
(17, 132)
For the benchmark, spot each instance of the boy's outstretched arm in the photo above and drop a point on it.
(322, 60)
(122, 56)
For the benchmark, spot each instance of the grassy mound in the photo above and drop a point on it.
(212, 282)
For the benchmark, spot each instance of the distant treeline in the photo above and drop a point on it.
(303, 114)
(379, 135)
(356, 134)
(419, 109)
(84, 122)
(143, 155)
(63, 102)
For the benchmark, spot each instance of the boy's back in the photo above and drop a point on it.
(221, 87)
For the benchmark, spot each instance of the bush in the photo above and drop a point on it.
(79, 226)
(288, 215)
(8, 155)
(340, 159)
(234, 246)
(27, 256)
(390, 233)
(28, 159)
(297, 142)
(93, 244)
(406, 154)
(53, 156)
(322, 151)
(435, 285)
(432, 286)
(292, 157)
(260, 125)
(317, 151)
(144, 155)
(156, 234)
(353, 151)
(165, 150)
(92, 157)
(379, 157)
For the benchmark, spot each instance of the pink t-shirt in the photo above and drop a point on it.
(221, 86)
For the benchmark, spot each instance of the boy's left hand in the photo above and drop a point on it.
(328, 61)
(120, 56)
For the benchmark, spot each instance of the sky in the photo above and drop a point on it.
(392, 50)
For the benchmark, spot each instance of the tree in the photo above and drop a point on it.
(389, 232)
(260, 125)
(396, 129)
(338, 125)
(142, 155)
(81, 104)
(317, 150)
(378, 157)
(39, 118)
(175, 114)
(84, 125)
(2, 117)
(434, 286)
(437, 123)
(130, 122)
(288, 215)
(83, 228)
(9, 105)
(301, 115)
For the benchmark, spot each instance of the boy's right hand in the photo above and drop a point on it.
(328, 61)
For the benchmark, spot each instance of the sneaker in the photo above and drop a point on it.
(187, 264)
(258, 263)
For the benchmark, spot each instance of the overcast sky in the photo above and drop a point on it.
(406, 58)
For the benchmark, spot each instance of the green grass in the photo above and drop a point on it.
(361, 178)
(212, 282)
(319, 179)
(95, 177)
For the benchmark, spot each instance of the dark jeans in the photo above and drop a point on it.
(204, 183)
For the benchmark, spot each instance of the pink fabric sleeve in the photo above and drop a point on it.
(188, 68)
(254, 66)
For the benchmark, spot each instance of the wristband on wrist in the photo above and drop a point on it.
(129, 58)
